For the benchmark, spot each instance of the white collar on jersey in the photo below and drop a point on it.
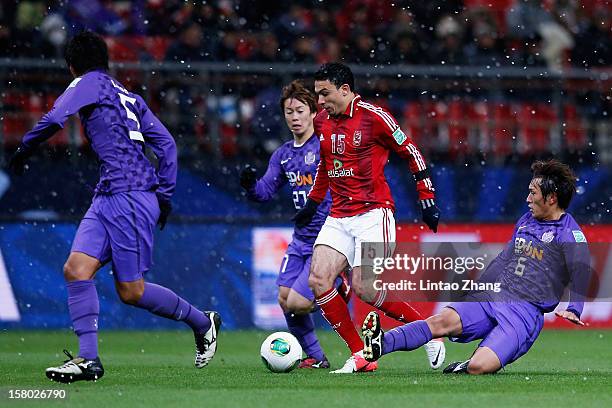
(350, 109)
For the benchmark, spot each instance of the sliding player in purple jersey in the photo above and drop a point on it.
(548, 252)
(295, 162)
(130, 198)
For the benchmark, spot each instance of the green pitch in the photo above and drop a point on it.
(564, 369)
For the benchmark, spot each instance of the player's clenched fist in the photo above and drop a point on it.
(431, 214)
(18, 161)
(165, 208)
(303, 217)
(248, 177)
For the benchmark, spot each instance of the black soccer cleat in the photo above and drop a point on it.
(76, 369)
(372, 337)
(206, 343)
(457, 367)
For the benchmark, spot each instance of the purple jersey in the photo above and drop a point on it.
(541, 261)
(298, 166)
(117, 123)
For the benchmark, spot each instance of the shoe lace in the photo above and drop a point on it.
(69, 361)
(350, 362)
(432, 349)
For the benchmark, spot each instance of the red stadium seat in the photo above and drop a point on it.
(61, 137)
(534, 127)
(458, 115)
(229, 140)
(157, 46)
(414, 115)
(122, 49)
(16, 117)
(574, 132)
(503, 129)
(479, 127)
(437, 124)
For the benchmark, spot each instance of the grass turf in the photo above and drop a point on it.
(563, 369)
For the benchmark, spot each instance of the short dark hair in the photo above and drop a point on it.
(336, 73)
(86, 51)
(297, 90)
(556, 177)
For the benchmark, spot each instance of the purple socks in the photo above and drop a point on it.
(302, 327)
(407, 337)
(84, 309)
(165, 303)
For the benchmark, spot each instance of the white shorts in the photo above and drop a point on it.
(347, 234)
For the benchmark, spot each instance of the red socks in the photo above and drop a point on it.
(335, 311)
(400, 311)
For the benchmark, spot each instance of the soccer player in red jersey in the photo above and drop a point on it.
(356, 138)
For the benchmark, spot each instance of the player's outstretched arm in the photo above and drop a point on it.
(571, 316)
(578, 261)
(263, 189)
(161, 142)
(393, 137)
(164, 147)
(78, 95)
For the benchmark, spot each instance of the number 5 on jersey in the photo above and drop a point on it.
(134, 134)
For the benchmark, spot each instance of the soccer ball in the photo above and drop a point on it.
(281, 352)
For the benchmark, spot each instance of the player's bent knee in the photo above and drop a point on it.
(130, 295)
(484, 361)
(442, 324)
(73, 271)
(299, 306)
(319, 282)
(80, 266)
(478, 368)
(282, 302)
(365, 292)
(129, 298)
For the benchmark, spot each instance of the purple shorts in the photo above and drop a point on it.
(295, 268)
(509, 329)
(119, 228)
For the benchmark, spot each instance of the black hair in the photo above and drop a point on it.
(86, 51)
(336, 73)
(555, 177)
(297, 90)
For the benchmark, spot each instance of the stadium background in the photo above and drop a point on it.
(481, 88)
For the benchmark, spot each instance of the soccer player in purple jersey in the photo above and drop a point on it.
(130, 198)
(547, 251)
(295, 162)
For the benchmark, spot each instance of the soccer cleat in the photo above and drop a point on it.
(206, 343)
(436, 353)
(310, 362)
(372, 337)
(76, 369)
(356, 364)
(344, 289)
(458, 367)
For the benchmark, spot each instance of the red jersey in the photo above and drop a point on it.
(354, 151)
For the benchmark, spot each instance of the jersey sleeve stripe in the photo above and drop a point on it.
(380, 112)
(417, 156)
(315, 177)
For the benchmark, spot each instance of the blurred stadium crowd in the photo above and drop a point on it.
(470, 32)
(534, 76)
